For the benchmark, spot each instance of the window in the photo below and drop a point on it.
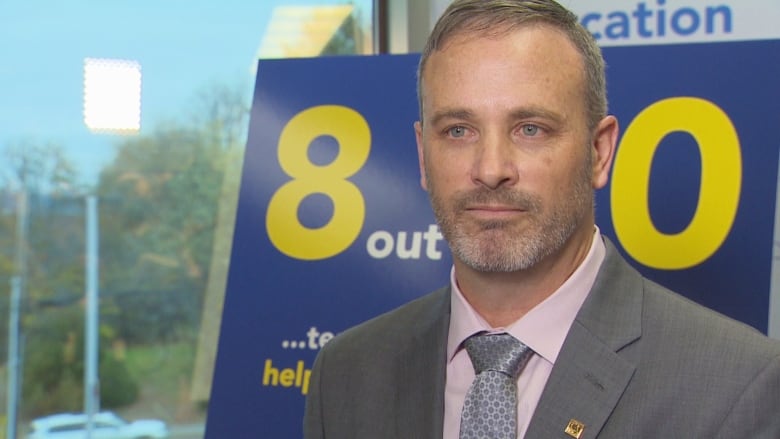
(142, 107)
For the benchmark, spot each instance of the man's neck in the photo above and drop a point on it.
(502, 298)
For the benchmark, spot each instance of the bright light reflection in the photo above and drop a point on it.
(302, 31)
(112, 95)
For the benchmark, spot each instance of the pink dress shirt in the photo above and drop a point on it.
(543, 329)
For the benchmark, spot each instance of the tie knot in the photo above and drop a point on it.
(499, 352)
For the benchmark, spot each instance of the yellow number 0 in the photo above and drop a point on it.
(721, 179)
(284, 228)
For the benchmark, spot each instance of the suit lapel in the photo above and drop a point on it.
(585, 385)
(421, 372)
(589, 375)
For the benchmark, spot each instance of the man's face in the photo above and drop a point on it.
(504, 148)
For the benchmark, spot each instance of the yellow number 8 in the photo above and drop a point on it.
(284, 228)
(721, 179)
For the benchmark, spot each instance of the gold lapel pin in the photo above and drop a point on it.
(575, 428)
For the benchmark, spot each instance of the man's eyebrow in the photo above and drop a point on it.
(536, 112)
(454, 113)
(517, 114)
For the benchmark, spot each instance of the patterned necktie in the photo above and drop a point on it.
(490, 408)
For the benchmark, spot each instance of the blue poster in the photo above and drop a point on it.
(697, 160)
(332, 226)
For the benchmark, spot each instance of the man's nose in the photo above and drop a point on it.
(494, 164)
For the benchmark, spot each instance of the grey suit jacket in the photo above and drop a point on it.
(639, 362)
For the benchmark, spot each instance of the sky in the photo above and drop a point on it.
(183, 46)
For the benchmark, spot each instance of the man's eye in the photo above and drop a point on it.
(530, 130)
(457, 131)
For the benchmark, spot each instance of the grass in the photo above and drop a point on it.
(164, 374)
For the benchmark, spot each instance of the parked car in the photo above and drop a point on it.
(105, 425)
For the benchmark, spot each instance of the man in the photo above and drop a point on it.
(513, 139)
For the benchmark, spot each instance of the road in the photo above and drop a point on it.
(193, 431)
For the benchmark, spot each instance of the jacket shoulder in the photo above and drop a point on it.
(396, 326)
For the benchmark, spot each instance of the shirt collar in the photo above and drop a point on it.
(543, 328)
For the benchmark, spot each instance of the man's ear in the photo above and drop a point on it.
(604, 144)
(420, 154)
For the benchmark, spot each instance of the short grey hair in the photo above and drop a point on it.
(494, 18)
